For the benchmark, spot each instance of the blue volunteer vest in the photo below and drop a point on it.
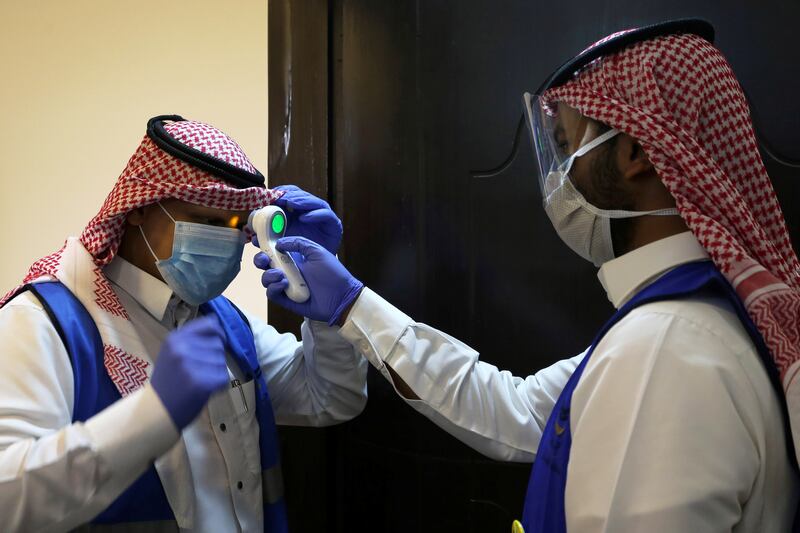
(544, 502)
(145, 499)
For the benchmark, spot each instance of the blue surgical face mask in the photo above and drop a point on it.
(204, 260)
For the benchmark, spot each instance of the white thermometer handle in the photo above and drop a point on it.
(269, 225)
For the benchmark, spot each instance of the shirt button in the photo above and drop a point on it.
(223, 427)
(239, 485)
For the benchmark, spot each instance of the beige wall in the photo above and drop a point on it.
(79, 81)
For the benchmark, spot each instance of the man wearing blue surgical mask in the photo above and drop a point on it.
(198, 259)
(131, 391)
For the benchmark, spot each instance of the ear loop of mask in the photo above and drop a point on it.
(597, 141)
(145, 237)
(608, 213)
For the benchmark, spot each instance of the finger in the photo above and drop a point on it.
(301, 201)
(213, 341)
(261, 260)
(206, 326)
(301, 245)
(254, 240)
(272, 276)
(213, 348)
(277, 291)
(320, 217)
(282, 202)
(248, 232)
(290, 193)
(287, 188)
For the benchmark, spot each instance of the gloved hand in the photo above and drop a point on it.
(310, 217)
(332, 287)
(190, 366)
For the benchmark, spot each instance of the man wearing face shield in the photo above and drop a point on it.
(133, 396)
(682, 414)
(595, 181)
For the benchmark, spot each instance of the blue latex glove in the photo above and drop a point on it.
(332, 287)
(310, 217)
(190, 366)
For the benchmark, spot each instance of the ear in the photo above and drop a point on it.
(632, 160)
(135, 217)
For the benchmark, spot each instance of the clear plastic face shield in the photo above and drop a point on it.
(559, 134)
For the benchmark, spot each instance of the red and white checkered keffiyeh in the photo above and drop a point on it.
(151, 175)
(679, 97)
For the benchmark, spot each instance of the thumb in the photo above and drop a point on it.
(207, 325)
(276, 293)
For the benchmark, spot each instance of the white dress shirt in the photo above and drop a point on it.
(56, 475)
(675, 425)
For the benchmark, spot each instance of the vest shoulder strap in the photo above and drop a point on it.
(237, 332)
(81, 339)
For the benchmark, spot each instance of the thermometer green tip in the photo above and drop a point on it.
(278, 223)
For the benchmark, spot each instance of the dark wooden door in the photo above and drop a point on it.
(386, 107)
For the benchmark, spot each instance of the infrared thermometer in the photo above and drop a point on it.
(269, 225)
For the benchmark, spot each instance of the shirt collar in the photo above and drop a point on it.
(151, 293)
(624, 276)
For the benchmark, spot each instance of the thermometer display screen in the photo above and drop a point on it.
(278, 223)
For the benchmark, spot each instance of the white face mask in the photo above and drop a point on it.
(583, 227)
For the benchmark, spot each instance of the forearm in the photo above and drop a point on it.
(318, 381)
(55, 474)
(65, 478)
(336, 377)
(402, 387)
(491, 410)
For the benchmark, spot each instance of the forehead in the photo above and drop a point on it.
(187, 208)
(569, 119)
(573, 128)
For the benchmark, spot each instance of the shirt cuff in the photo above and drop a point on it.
(374, 326)
(317, 325)
(132, 432)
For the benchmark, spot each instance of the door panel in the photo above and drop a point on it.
(416, 96)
